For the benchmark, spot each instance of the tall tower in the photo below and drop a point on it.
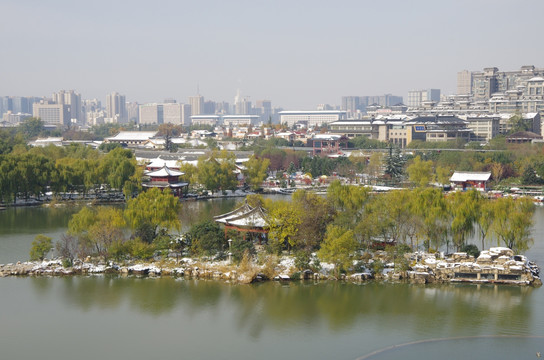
(116, 107)
(72, 99)
(464, 82)
(197, 104)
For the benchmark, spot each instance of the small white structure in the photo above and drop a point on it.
(132, 137)
(467, 180)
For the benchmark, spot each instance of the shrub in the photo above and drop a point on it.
(40, 247)
(206, 238)
(239, 247)
(139, 249)
(471, 249)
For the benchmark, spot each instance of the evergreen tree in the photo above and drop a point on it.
(394, 164)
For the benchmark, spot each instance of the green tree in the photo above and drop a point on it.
(256, 171)
(206, 238)
(283, 220)
(518, 123)
(30, 128)
(315, 213)
(513, 223)
(394, 164)
(337, 248)
(151, 211)
(420, 172)
(485, 218)
(217, 171)
(97, 229)
(430, 208)
(464, 208)
(41, 246)
(348, 201)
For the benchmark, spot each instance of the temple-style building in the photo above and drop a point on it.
(166, 178)
(245, 219)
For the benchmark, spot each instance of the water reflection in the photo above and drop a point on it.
(441, 309)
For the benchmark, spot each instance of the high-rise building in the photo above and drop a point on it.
(17, 104)
(133, 112)
(116, 107)
(416, 98)
(197, 104)
(490, 81)
(52, 114)
(352, 105)
(209, 108)
(186, 114)
(73, 100)
(464, 82)
(263, 108)
(151, 114)
(172, 113)
(242, 107)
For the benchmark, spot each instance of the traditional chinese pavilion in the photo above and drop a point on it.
(245, 219)
(166, 178)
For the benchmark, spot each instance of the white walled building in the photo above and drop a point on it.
(311, 118)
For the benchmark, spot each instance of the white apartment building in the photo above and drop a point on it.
(311, 118)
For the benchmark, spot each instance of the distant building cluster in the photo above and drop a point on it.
(480, 110)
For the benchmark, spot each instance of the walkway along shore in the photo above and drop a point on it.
(493, 266)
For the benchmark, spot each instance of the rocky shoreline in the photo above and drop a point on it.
(494, 266)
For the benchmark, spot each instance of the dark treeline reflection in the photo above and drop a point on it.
(35, 219)
(334, 305)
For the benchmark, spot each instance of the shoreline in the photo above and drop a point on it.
(460, 268)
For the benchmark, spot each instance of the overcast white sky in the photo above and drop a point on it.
(297, 53)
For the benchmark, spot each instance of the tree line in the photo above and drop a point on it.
(352, 219)
(32, 172)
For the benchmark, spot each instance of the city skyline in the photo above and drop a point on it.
(296, 54)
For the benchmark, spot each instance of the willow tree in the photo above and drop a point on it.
(217, 171)
(420, 172)
(152, 211)
(431, 207)
(283, 220)
(97, 229)
(513, 223)
(337, 248)
(256, 171)
(464, 208)
(348, 201)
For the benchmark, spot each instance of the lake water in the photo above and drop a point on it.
(163, 318)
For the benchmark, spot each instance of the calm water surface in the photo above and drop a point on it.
(142, 318)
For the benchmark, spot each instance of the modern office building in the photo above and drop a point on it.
(197, 104)
(240, 120)
(464, 82)
(172, 113)
(311, 118)
(52, 114)
(73, 100)
(151, 114)
(417, 98)
(263, 108)
(210, 120)
(116, 107)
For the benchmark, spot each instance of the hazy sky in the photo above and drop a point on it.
(297, 53)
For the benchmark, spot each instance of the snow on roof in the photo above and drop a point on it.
(49, 139)
(133, 135)
(164, 172)
(159, 163)
(327, 136)
(460, 176)
(244, 216)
